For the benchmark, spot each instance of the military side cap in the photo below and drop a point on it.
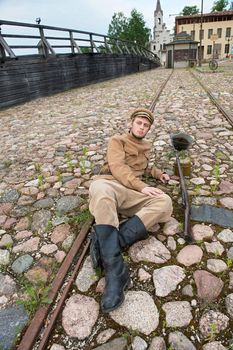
(143, 113)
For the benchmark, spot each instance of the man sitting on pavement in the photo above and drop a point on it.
(121, 190)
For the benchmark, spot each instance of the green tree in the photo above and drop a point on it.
(118, 26)
(190, 10)
(220, 5)
(132, 28)
(137, 30)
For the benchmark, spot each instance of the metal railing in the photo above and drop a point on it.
(50, 41)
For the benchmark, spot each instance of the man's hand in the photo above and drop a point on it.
(164, 178)
(152, 191)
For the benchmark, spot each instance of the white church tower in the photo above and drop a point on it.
(161, 35)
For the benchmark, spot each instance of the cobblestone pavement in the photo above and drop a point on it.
(51, 147)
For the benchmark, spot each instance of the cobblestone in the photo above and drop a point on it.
(50, 148)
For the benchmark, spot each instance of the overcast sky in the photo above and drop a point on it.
(90, 15)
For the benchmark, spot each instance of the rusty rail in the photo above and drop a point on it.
(227, 114)
(37, 322)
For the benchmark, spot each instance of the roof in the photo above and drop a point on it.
(211, 14)
(183, 38)
(158, 7)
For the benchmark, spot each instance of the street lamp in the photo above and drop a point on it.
(200, 53)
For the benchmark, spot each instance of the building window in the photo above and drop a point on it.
(228, 32)
(210, 32)
(201, 34)
(209, 49)
(219, 32)
(227, 47)
(154, 47)
(193, 34)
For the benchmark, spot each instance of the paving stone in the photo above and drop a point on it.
(40, 221)
(209, 286)
(4, 257)
(210, 318)
(214, 247)
(229, 304)
(60, 233)
(116, 344)
(12, 321)
(7, 285)
(22, 263)
(171, 227)
(11, 196)
(214, 215)
(105, 335)
(215, 345)
(150, 250)
(178, 313)
(179, 341)
(166, 279)
(226, 236)
(202, 232)
(216, 265)
(157, 343)
(86, 277)
(130, 314)
(139, 344)
(227, 202)
(67, 204)
(79, 316)
(190, 255)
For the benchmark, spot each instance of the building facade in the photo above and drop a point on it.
(181, 52)
(161, 35)
(213, 30)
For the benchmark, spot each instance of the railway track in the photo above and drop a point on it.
(39, 332)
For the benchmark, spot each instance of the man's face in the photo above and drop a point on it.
(140, 127)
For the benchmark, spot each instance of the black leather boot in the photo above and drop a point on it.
(116, 272)
(130, 231)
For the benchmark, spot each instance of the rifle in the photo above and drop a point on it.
(181, 142)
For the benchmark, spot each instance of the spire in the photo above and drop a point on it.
(158, 7)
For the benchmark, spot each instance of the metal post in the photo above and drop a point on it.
(91, 43)
(200, 51)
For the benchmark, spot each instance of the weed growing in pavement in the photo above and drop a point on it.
(200, 243)
(68, 161)
(7, 163)
(37, 167)
(170, 348)
(49, 226)
(217, 254)
(213, 331)
(83, 159)
(40, 180)
(197, 189)
(59, 175)
(80, 218)
(216, 170)
(229, 263)
(130, 334)
(35, 295)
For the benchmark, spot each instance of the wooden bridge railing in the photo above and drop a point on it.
(50, 41)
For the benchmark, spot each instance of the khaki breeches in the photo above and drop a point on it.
(108, 198)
